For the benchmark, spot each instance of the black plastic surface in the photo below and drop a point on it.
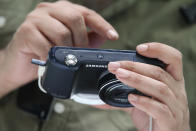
(87, 76)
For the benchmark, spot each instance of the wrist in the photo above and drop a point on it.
(5, 85)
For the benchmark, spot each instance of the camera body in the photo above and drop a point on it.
(82, 75)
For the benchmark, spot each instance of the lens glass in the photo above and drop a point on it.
(114, 92)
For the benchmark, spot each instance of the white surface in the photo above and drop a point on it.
(59, 108)
(89, 99)
(2, 21)
(41, 71)
(150, 123)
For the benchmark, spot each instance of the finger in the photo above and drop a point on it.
(40, 45)
(54, 30)
(151, 71)
(148, 86)
(35, 41)
(169, 55)
(97, 23)
(95, 40)
(128, 110)
(159, 112)
(102, 106)
(73, 20)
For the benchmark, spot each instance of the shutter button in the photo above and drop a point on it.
(71, 60)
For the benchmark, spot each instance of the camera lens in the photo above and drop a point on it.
(113, 92)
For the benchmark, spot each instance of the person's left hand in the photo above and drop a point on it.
(169, 106)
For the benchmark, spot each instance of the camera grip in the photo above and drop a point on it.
(60, 86)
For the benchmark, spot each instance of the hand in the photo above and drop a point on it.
(168, 105)
(61, 23)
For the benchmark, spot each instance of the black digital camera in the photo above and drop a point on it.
(81, 74)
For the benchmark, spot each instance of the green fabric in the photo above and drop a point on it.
(137, 21)
(76, 117)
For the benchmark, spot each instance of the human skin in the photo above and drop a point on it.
(49, 24)
(168, 105)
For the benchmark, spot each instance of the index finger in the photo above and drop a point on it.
(97, 23)
(169, 55)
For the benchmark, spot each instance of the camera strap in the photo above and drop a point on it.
(33, 101)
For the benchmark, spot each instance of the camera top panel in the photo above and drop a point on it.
(84, 55)
(72, 56)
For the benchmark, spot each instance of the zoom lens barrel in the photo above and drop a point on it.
(114, 92)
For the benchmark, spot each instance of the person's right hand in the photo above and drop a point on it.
(61, 23)
(168, 104)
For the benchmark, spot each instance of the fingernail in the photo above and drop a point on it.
(133, 98)
(114, 65)
(142, 47)
(122, 73)
(112, 35)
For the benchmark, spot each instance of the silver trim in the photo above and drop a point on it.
(108, 84)
(41, 70)
(88, 99)
(71, 60)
